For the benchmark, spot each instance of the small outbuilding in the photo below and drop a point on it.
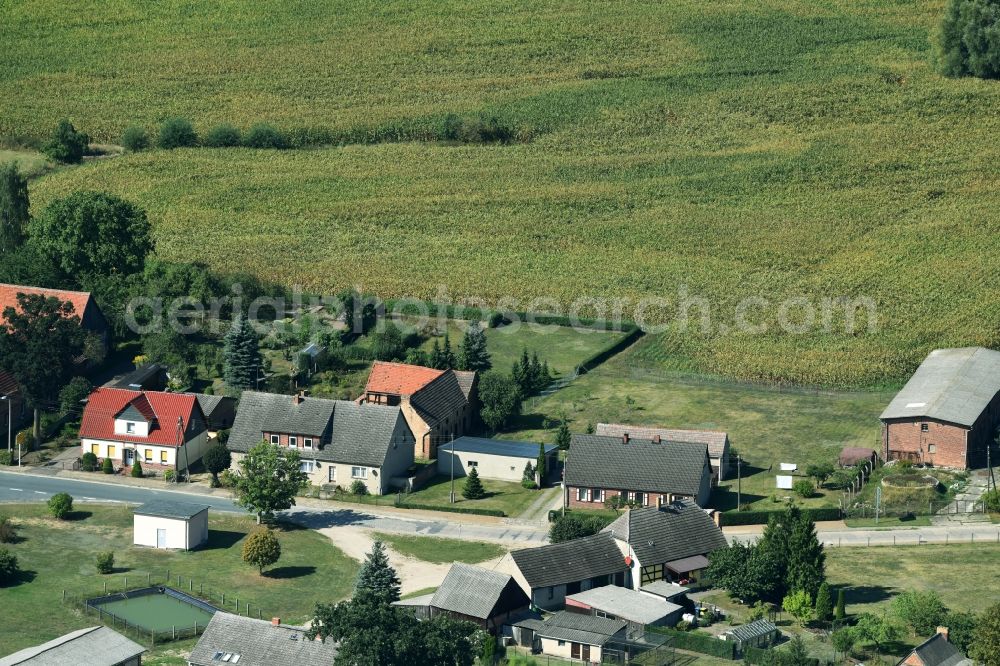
(94, 646)
(621, 603)
(493, 458)
(759, 633)
(170, 525)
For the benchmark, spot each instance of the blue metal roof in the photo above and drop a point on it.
(497, 447)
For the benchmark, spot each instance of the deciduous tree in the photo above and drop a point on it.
(268, 480)
(14, 205)
(968, 41)
(985, 644)
(922, 611)
(261, 548)
(799, 604)
(499, 399)
(67, 145)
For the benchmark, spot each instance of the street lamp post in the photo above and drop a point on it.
(452, 495)
(10, 424)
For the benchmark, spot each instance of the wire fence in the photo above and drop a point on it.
(126, 586)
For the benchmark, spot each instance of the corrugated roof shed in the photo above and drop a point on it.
(953, 385)
(751, 630)
(496, 447)
(576, 627)
(94, 646)
(170, 509)
(475, 591)
(597, 461)
(626, 604)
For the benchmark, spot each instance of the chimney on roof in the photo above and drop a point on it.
(625, 438)
(275, 621)
(943, 631)
(656, 439)
(299, 397)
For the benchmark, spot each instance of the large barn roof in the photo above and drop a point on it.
(953, 385)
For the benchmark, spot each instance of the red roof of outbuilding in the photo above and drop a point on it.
(9, 292)
(104, 404)
(8, 385)
(399, 378)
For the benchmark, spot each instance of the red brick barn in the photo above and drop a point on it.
(948, 412)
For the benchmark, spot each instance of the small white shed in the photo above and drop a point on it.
(171, 525)
(493, 458)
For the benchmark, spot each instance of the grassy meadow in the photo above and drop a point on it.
(775, 150)
(60, 555)
(441, 550)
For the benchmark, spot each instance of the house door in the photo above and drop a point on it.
(161, 538)
(331, 473)
(585, 653)
(574, 650)
(129, 455)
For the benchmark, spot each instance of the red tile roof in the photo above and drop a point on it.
(399, 378)
(9, 292)
(104, 404)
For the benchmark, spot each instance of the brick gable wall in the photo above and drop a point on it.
(942, 445)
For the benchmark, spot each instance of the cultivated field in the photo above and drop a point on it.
(771, 149)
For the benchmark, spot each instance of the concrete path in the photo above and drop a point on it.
(964, 510)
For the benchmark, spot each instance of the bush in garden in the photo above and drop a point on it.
(105, 562)
(8, 566)
(108, 466)
(60, 505)
(177, 133)
(67, 145)
(8, 534)
(136, 470)
(358, 487)
(263, 135)
(88, 462)
(135, 139)
(223, 136)
(804, 488)
(169, 475)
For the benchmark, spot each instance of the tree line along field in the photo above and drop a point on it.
(741, 149)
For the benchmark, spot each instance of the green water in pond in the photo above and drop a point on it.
(158, 612)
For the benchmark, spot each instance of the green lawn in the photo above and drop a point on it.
(511, 498)
(28, 162)
(765, 426)
(440, 550)
(59, 555)
(776, 149)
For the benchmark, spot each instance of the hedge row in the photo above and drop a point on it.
(609, 350)
(770, 657)
(696, 642)
(732, 518)
(452, 509)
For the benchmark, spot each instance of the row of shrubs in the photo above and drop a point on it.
(768, 657)
(180, 133)
(702, 643)
(732, 518)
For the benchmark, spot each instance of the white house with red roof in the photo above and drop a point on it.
(439, 405)
(162, 430)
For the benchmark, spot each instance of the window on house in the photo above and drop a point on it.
(552, 591)
(473, 463)
(581, 494)
(129, 427)
(307, 443)
(598, 494)
(923, 427)
(640, 499)
(331, 473)
(293, 442)
(111, 451)
(275, 439)
(932, 448)
(307, 466)
(95, 449)
(562, 643)
(163, 457)
(148, 455)
(359, 472)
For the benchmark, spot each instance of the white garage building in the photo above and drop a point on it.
(493, 458)
(171, 525)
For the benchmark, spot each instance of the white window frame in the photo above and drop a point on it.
(276, 439)
(598, 495)
(331, 475)
(130, 427)
(932, 448)
(147, 455)
(583, 494)
(355, 472)
(307, 466)
(307, 442)
(293, 442)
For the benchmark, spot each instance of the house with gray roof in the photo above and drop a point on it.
(759, 633)
(94, 646)
(647, 472)
(571, 635)
(936, 651)
(621, 603)
(338, 441)
(233, 639)
(948, 412)
(474, 594)
(219, 410)
(717, 441)
(670, 543)
(498, 459)
(549, 573)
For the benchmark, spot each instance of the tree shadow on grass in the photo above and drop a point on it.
(724, 499)
(290, 572)
(221, 539)
(22, 576)
(533, 421)
(866, 594)
(76, 516)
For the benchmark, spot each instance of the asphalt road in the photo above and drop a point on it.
(26, 487)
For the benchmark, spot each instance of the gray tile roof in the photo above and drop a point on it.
(259, 643)
(474, 591)
(606, 462)
(953, 385)
(347, 432)
(94, 646)
(569, 561)
(576, 627)
(626, 604)
(752, 630)
(716, 440)
(677, 530)
(937, 651)
(497, 447)
(440, 399)
(170, 509)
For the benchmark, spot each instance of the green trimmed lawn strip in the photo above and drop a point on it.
(511, 498)
(61, 554)
(441, 550)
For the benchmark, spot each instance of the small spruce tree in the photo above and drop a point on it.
(563, 436)
(376, 577)
(242, 356)
(448, 360)
(824, 604)
(474, 355)
(473, 488)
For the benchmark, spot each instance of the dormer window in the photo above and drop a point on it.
(130, 428)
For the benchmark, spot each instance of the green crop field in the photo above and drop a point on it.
(775, 150)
